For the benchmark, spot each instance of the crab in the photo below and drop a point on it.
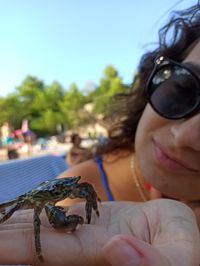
(46, 195)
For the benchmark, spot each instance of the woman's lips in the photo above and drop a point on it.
(166, 160)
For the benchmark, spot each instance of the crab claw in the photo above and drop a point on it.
(58, 219)
(72, 222)
(86, 190)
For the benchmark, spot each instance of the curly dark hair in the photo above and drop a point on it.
(175, 39)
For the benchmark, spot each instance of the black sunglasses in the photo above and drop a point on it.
(173, 89)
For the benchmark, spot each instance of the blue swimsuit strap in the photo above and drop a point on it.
(98, 160)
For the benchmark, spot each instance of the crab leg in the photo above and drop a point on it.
(8, 203)
(88, 210)
(86, 191)
(37, 222)
(8, 213)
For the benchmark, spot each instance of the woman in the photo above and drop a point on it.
(77, 153)
(153, 149)
(154, 146)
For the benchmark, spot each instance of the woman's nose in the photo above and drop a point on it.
(186, 133)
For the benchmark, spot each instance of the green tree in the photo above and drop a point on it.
(11, 110)
(46, 123)
(47, 108)
(110, 84)
(72, 102)
(29, 92)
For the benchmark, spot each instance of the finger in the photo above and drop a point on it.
(176, 236)
(25, 216)
(134, 252)
(119, 252)
(18, 243)
(6, 227)
(173, 253)
(130, 251)
(58, 248)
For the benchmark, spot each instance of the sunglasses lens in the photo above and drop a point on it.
(173, 92)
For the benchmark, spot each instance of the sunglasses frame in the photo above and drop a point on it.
(161, 62)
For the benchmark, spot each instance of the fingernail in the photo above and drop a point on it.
(121, 253)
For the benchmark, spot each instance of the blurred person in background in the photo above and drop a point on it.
(12, 153)
(77, 153)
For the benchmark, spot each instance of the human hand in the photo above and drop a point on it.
(195, 206)
(158, 232)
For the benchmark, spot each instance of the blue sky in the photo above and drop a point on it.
(74, 40)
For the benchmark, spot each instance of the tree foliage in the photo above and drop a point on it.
(47, 106)
(110, 84)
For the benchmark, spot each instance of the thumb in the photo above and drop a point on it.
(130, 251)
(119, 252)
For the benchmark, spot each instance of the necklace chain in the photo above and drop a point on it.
(137, 180)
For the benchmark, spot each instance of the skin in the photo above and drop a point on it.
(120, 236)
(116, 166)
(180, 139)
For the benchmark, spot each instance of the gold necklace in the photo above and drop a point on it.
(137, 180)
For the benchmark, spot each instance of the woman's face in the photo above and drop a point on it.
(168, 151)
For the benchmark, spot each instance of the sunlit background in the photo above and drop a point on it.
(74, 40)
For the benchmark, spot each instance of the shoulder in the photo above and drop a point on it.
(116, 156)
(88, 170)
